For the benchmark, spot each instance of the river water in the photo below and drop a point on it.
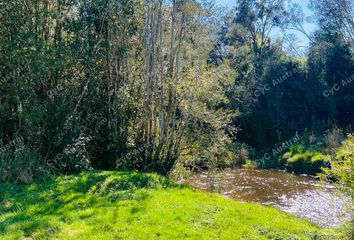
(303, 196)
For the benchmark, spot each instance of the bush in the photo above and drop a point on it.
(306, 162)
(342, 165)
(21, 165)
(73, 158)
(299, 163)
(333, 138)
(241, 154)
(319, 161)
(299, 148)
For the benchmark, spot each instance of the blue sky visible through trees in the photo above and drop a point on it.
(309, 26)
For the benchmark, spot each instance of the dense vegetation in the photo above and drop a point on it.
(342, 167)
(156, 86)
(167, 87)
(128, 205)
(107, 84)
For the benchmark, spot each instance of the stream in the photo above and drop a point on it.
(303, 196)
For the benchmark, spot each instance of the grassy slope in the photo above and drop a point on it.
(117, 205)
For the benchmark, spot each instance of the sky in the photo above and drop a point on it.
(302, 40)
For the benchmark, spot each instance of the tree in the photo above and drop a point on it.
(336, 16)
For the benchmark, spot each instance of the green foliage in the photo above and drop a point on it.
(319, 162)
(140, 85)
(307, 156)
(297, 148)
(305, 162)
(273, 105)
(241, 154)
(21, 165)
(96, 205)
(342, 166)
(299, 163)
(74, 82)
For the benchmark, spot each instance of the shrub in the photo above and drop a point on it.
(333, 139)
(241, 154)
(73, 158)
(319, 161)
(342, 165)
(298, 148)
(306, 163)
(21, 165)
(299, 163)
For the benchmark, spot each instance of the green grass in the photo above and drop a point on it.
(126, 205)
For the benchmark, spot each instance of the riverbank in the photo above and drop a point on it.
(118, 205)
(304, 196)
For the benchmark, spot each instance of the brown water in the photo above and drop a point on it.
(300, 195)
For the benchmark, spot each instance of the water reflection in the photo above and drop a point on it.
(300, 195)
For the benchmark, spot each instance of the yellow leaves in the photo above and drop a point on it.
(193, 8)
(206, 85)
(201, 91)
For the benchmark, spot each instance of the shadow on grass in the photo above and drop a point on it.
(39, 207)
